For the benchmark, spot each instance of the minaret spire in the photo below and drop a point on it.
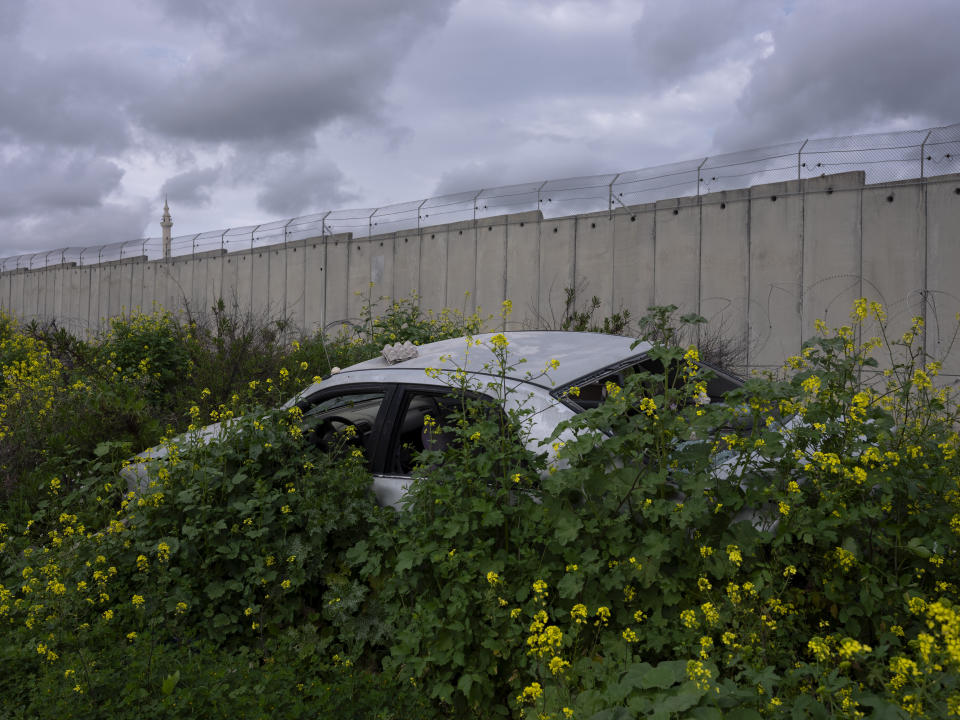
(166, 222)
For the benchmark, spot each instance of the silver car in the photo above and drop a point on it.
(387, 402)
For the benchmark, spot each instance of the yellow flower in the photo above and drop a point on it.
(499, 341)
(137, 601)
(579, 613)
(531, 693)
(493, 578)
(733, 553)
(285, 584)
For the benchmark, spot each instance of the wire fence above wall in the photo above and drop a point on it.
(883, 157)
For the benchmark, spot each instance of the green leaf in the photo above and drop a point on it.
(170, 682)
(567, 528)
(570, 585)
(665, 675)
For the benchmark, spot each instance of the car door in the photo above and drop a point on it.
(348, 416)
(406, 432)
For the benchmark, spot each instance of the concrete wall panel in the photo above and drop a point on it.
(337, 287)
(381, 264)
(776, 277)
(893, 256)
(83, 316)
(677, 253)
(358, 278)
(593, 268)
(831, 249)
(725, 264)
(633, 260)
(148, 287)
(433, 268)
(523, 271)
(315, 274)
(406, 264)
(943, 269)
(491, 271)
(559, 241)
(294, 301)
(242, 298)
(260, 282)
(461, 283)
(277, 289)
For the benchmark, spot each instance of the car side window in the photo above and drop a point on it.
(419, 427)
(344, 422)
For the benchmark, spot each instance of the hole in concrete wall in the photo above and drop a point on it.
(593, 225)
(676, 212)
(889, 198)
(460, 232)
(723, 206)
(956, 191)
(521, 224)
(490, 227)
(259, 254)
(633, 218)
(381, 244)
(432, 236)
(314, 246)
(555, 229)
(829, 191)
(773, 198)
(404, 239)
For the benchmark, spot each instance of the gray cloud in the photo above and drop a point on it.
(293, 185)
(192, 187)
(77, 227)
(287, 67)
(841, 66)
(683, 37)
(48, 180)
(11, 16)
(73, 100)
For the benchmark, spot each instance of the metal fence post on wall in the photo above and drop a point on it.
(610, 195)
(799, 153)
(700, 179)
(539, 198)
(923, 153)
(475, 198)
(418, 212)
(286, 262)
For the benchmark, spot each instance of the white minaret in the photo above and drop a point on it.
(166, 223)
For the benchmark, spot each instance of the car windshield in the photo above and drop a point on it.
(593, 388)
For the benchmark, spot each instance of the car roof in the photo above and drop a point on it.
(578, 354)
(528, 353)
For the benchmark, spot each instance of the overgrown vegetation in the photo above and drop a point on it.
(792, 552)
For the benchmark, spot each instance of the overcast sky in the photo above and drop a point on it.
(252, 110)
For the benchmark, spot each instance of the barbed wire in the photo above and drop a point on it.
(882, 157)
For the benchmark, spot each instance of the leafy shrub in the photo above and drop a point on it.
(793, 550)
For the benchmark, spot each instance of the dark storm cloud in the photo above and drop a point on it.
(191, 188)
(286, 68)
(839, 67)
(44, 180)
(72, 100)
